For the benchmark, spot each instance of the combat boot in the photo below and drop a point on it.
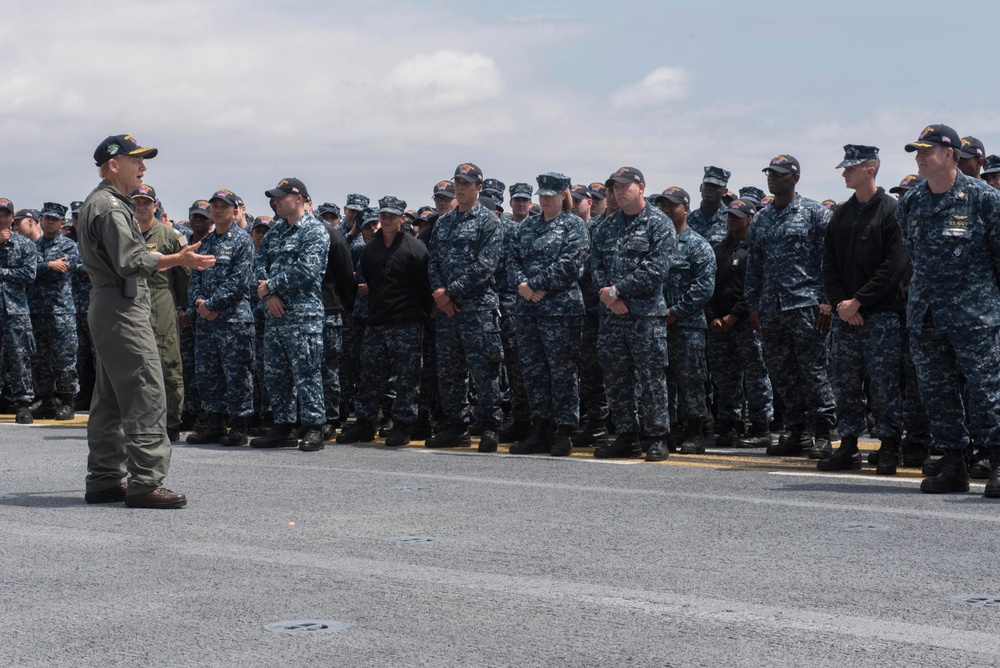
(980, 467)
(422, 427)
(993, 486)
(793, 443)
(452, 436)
(518, 430)
(362, 431)
(312, 440)
(23, 413)
(64, 407)
(625, 446)
(45, 410)
(539, 440)
(657, 451)
(488, 440)
(562, 446)
(888, 457)
(954, 475)
(594, 432)
(846, 458)
(211, 432)
(385, 427)
(399, 436)
(330, 430)
(237, 433)
(281, 436)
(915, 453)
(759, 436)
(255, 427)
(692, 443)
(727, 434)
(822, 446)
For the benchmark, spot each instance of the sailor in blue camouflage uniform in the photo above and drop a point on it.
(53, 317)
(629, 259)
(863, 270)
(709, 219)
(289, 267)
(784, 292)
(199, 222)
(520, 427)
(951, 232)
(733, 346)
(338, 289)
(689, 284)
(262, 413)
(393, 268)
(492, 198)
(18, 267)
(355, 212)
(464, 248)
(545, 257)
(219, 301)
(991, 171)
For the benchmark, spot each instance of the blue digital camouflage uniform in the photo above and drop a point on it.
(464, 250)
(508, 325)
(353, 333)
(53, 319)
(18, 266)
(85, 344)
(593, 397)
(735, 356)
(953, 307)
(548, 256)
(784, 282)
(292, 258)
(713, 229)
(224, 346)
(634, 256)
(689, 284)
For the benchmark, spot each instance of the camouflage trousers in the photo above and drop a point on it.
(468, 343)
(353, 334)
(796, 358)
(915, 421)
(593, 396)
(333, 326)
(293, 370)
(512, 363)
(876, 348)
(54, 363)
(428, 372)
(224, 366)
(18, 344)
(633, 355)
(687, 373)
(390, 356)
(548, 346)
(84, 359)
(261, 400)
(942, 362)
(192, 400)
(737, 364)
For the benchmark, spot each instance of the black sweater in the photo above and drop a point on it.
(399, 290)
(730, 273)
(338, 281)
(863, 256)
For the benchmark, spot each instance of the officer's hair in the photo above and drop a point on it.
(956, 154)
(876, 163)
(567, 201)
(105, 169)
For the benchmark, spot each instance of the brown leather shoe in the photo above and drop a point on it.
(161, 497)
(114, 494)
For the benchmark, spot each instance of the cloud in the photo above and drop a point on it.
(664, 84)
(445, 80)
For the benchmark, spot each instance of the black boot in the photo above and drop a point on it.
(759, 436)
(281, 436)
(980, 467)
(822, 446)
(422, 427)
(312, 439)
(561, 444)
(993, 486)
(657, 450)
(888, 457)
(46, 409)
(237, 433)
(488, 439)
(64, 407)
(255, 427)
(793, 443)
(915, 453)
(693, 432)
(846, 458)
(518, 430)
(362, 431)
(211, 432)
(592, 433)
(539, 440)
(727, 434)
(625, 446)
(399, 436)
(452, 436)
(23, 413)
(954, 475)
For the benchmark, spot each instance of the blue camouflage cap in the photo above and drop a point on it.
(972, 148)
(992, 164)
(855, 154)
(75, 206)
(356, 202)
(752, 194)
(54, 210)
(369, 216)
(497, 186)
(908, 183)
(490, 199)
(328, 207)
(552, 183)
(393, 205)
(716, 176)
(521, 190)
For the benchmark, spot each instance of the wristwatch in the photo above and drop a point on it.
(613, 292)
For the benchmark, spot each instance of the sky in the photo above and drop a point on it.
(388, 96)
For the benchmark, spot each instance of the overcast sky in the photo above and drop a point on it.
(388, 96)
